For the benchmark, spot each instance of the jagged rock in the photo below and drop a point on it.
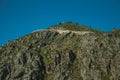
(4, 71)
(42, 44)
(48, 55)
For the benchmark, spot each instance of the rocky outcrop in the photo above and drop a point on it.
(24, 65)
(60, 31)
(46, 55)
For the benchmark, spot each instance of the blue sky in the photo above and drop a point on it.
(19, 17)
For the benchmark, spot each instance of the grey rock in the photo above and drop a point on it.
(48, 55)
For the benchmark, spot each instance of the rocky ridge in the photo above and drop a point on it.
(66, 31)
(48, 55)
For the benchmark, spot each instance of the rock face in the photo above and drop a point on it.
(46, 55)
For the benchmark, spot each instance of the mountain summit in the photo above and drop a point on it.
(62, 52)
(67, 27)
(70, 26)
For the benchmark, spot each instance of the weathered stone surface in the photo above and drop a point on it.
(47, 55)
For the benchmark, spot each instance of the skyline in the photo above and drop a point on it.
(20, 17)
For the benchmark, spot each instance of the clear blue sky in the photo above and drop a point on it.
(19, 17)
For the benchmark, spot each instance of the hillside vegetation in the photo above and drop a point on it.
(48, 55)
(71, 26)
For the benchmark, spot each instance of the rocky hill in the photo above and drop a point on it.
(70, 26)
(49, 55)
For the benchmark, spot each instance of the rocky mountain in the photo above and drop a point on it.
(49, 55)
